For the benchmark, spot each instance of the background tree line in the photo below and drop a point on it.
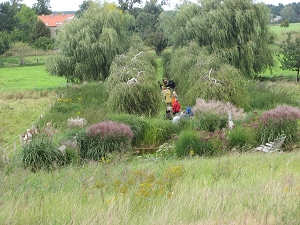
(290, 12)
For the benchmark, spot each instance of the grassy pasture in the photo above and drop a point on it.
(28, 78)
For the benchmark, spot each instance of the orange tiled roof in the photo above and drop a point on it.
(55, 20)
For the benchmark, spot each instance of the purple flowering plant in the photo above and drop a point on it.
(108, 129)
(280, 121)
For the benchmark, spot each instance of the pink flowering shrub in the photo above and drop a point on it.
(105, 137)
(110, 129)
(281, 121)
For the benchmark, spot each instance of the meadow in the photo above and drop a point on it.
(28, 78)
(248, 188)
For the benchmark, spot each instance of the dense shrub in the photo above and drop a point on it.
(242, 137)
(143, 99)
(280, 121)
(209, 121)
(158, 132)
(217, 139)
(103, 138)
(42, 153)
(189, 143)
(138, 125)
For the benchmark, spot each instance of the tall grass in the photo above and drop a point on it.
(235, 189)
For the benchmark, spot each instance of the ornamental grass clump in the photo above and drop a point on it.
(105, 137)
(281, 121)
(42, 153)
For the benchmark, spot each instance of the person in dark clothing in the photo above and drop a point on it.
(168, 115)
(170, 84)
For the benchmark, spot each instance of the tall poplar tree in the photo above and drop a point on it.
(88, 45)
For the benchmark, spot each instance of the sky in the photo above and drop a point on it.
(73, 5)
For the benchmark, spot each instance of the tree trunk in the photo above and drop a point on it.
(297, 78)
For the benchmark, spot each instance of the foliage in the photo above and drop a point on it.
(138, 125)
(280, 121)
(21, 49)
(4, 42)
(218, 108)
(157, 41)
(287, 13)
(147, 19)
(285, 24)
(218, 140)
(157, 132)
(26, 18)
(165, 151)
(128, 4)
(88, 45)
(198, 75)
(41, 153)
(44, 43)
(236, 30)
(267, 96)
(42, 7)
(83, 8)
(39, 30)
(103, 138)
(7, 17)
(189, 143)
(139, 97)
(209, 121)
(243, 137)
(289, 56)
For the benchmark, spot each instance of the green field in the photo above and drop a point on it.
(28, 77)
(281, 32)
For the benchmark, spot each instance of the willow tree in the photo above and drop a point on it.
(236, 30)
(199, 74)
(87, 46)
(133, 85)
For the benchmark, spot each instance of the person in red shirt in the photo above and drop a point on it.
(176, 107)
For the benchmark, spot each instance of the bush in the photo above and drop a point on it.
(158, 132)
(280, 121)
(41, 153)
(142, 99)
(165, 151)
(210, 122)
(137, 125)
(242, 137)
(103, 138)
(217, 139)
(189, 143)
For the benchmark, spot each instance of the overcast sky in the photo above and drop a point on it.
(73, 5)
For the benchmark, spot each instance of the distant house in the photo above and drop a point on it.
(276, 19)
(54, 21)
